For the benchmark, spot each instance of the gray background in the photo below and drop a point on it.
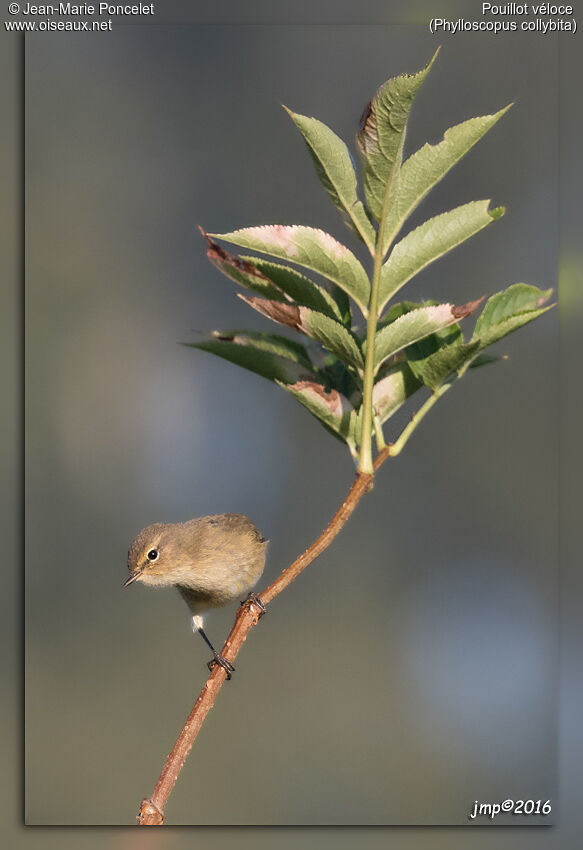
(412, 669)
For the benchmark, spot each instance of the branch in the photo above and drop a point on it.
(152, 808)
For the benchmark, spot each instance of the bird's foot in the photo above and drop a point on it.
(222, 662)
(253, 599)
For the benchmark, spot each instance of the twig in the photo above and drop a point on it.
(152, 808)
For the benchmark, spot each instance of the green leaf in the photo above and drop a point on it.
(503, 313)
(332, 409)
(273, 343)
(297, 286)
(269, 355)
(509, 310)
(336, 172)
(418, 353)
(307, 247)
(429, 241)
(380, 139)
(333, 336)
(343, 304)
(335, 375)
(415, 325)
(331, 333)
(425, 168)
(454, 358)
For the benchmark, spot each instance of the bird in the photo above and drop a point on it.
(212, 561)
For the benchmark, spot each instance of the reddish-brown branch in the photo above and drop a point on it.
(152, 808)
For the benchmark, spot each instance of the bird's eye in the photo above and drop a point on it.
(152, 554)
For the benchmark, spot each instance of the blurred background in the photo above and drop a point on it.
(413, 668)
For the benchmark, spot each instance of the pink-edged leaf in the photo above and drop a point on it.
(331, 408)
(309, 247)
(417, 324)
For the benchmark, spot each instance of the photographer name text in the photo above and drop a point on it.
(88, 9)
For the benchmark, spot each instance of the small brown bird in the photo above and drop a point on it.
(213, 561)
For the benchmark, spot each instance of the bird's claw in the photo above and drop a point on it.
(222, 662)
(253, 599)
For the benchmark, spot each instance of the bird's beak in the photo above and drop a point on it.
(132, 578)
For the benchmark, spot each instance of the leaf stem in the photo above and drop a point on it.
(393, 449)
(365, 466)
(379, 436)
